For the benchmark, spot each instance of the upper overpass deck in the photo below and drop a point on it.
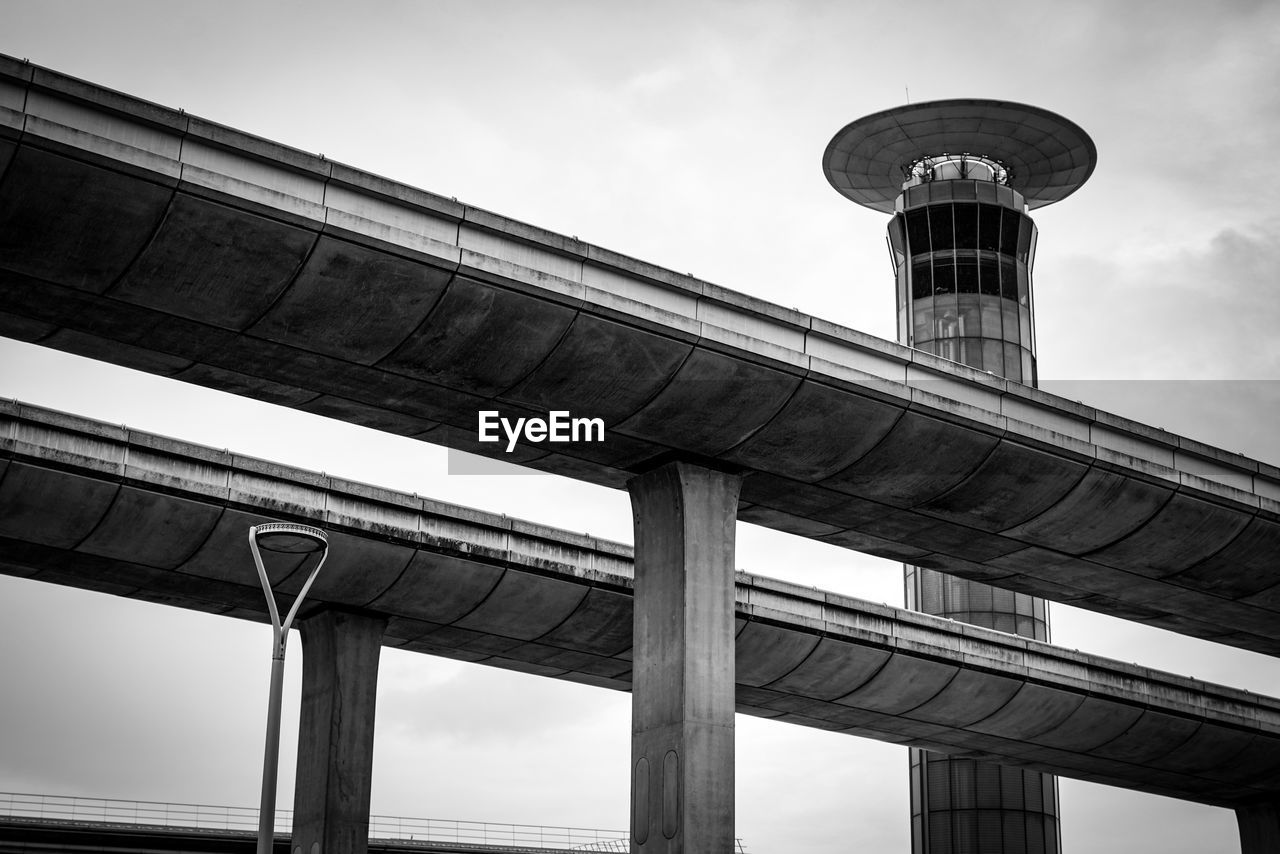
(147, 237)
(103, 507)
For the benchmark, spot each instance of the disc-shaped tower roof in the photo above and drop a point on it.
(1047, 157)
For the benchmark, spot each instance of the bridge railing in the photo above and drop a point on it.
(519, 836)
(111, 811)
(63, 808)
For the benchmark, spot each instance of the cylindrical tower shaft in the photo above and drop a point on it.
(963, 250)
(959, 177)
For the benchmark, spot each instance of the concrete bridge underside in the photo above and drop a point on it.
(150, 238)
(102, 507)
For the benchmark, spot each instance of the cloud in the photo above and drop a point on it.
(1200, 312)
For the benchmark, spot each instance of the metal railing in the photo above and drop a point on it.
(61, 808)
(244, 820)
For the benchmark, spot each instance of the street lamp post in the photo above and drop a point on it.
(279, 538)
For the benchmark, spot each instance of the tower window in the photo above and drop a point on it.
(989, 228)
(921, 279)
(966, 224)
(966, 274)
(1009, 231)
(918, 231)
(940, 226)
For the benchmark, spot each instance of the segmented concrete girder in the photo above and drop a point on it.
(151, 238)
(133, 514)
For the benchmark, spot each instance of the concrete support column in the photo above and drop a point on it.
(682, 697)
(1259, 827)
(335, 733)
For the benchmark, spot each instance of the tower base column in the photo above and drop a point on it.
(335, 732)
(682, 700)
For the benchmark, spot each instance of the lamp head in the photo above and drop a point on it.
(287, 538)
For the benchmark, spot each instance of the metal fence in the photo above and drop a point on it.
(59, 808)
(109, 811)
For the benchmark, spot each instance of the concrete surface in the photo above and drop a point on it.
(334, 779)
(682, 696)
(1259, 827)
(154, 239)
(101, 507)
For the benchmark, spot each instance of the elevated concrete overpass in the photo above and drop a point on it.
(150, 238)
(18, 836)
(133, 514)
(67, 824)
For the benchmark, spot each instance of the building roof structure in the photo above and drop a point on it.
(1047, 157)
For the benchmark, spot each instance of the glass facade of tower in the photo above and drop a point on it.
(962, 253)
(962, 250)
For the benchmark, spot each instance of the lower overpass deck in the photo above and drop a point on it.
(98, 506)
(30, 822)
(19, 836)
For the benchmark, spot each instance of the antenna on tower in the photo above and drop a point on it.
(907, 89)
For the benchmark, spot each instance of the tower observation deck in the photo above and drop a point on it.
(959, 176)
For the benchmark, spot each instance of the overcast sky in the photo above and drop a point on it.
(689, 135)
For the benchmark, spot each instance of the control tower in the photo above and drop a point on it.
(959, 176)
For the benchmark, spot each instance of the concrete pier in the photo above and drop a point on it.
(335, 732)
(1259, 827)
(683, 695)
